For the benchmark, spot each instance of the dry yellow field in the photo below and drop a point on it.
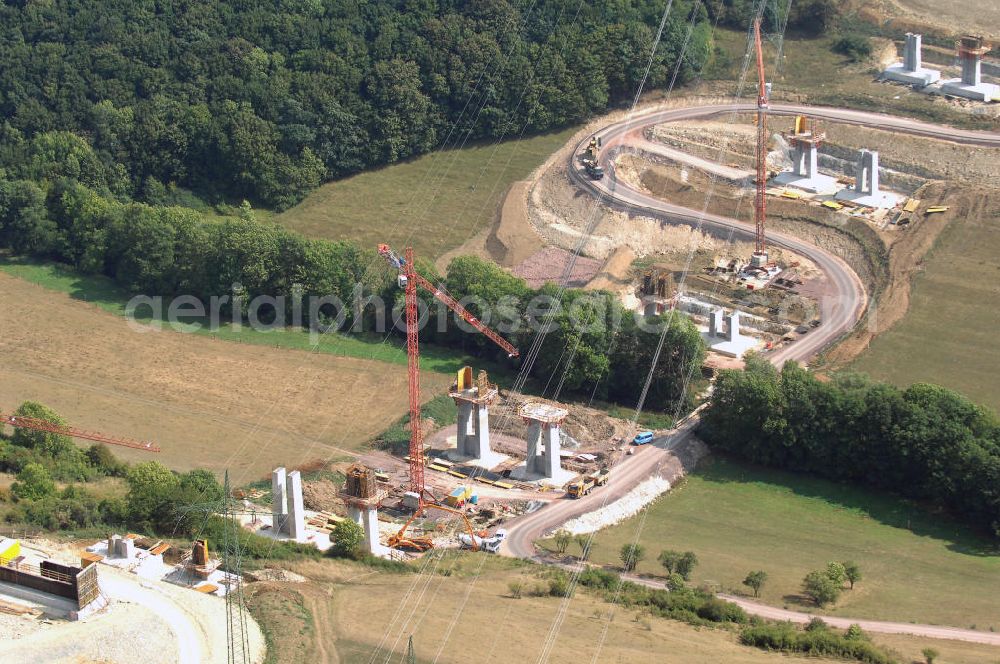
(345, 613)
(207, 403)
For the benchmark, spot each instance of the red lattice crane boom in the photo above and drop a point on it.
(50, 427)
(759, 258)
(409, 280)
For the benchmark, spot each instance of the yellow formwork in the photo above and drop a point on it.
(9, 549)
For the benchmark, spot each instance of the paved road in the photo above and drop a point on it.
(839, 312)
(523, 531)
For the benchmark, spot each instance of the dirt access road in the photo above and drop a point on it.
(840, 312)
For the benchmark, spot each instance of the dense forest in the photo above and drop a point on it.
(925, 442)
(264, 100)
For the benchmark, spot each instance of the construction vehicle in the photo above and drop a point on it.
(936, 208)
(459, 496)
(593, 169)
(490, 544)
(587, 483)
(401, 541)
(50, 427)
(591, 159)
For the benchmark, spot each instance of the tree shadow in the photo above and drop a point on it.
(801, 601)
(886, 508)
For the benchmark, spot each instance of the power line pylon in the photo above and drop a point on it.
(237, 635)
(411, 654)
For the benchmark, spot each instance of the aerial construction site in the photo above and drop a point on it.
(387, 334)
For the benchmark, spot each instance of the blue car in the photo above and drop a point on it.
(643, 437)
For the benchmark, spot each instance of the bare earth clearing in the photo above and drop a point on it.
(955, 16)
(207, 403)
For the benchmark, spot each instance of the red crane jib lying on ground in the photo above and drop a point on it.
(43, 425)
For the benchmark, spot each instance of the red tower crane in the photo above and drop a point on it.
(408, 279)
(45, 425)
(759, 258)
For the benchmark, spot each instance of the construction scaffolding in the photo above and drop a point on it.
(361, 483)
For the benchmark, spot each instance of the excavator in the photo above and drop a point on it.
(590, 159)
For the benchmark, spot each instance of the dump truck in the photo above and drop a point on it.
(586, 484)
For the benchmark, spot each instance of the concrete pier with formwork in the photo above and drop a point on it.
(362, 496)
(970, 50)
(473, 399)
(805, 174)
(544, 445)
(911, 69)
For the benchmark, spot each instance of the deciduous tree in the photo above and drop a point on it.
(755, 581)
(631, 555)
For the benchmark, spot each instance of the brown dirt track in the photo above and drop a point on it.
(207, 403)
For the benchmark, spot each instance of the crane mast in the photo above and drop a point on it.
(408, 279)
(759, 258)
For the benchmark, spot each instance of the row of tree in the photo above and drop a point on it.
(925, 442)
(263, 100)
(39, 458)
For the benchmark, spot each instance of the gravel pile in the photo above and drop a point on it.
(623, 508)
(549, 265)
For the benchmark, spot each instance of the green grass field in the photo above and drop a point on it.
(811, 72)
(952, 320)
(435, 202)
(738, 519)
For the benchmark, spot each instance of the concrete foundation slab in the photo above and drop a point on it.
(977, 92)
(487, 461)
(880, 199)
(722, 346)
(921, 77)
(815, 184)
(559, 478)
(320, 540)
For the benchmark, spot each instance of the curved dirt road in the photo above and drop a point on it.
(877, 626)
(840, 313)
